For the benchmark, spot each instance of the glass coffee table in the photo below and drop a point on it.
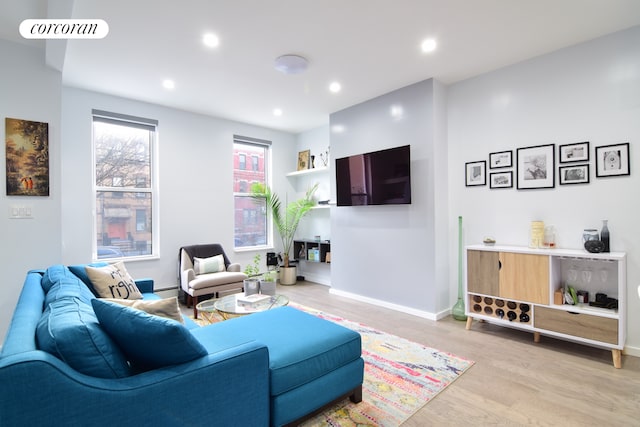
(228, 306)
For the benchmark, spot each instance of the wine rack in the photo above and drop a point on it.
(501, 309)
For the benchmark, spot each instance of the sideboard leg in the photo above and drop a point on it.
(617, 358)
(469, 321)
(536, 337)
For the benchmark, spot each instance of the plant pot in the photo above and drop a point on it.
(251, 286)
(288, 275)
(267, 287)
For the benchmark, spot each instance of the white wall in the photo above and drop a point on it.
(590, 92)
(395, 255)
(30, 91)
(195, 166)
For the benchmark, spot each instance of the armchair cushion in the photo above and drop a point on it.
(214, 264)
(148, 341)
(113, 281)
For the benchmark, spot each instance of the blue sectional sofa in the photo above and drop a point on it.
(72, 359)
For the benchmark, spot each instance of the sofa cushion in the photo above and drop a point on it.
(148, 341)
(69, 329)
(302, 347)
(216, 279)
(80, 270)
(214, 264)
(113, 281)
(58, 282)
(167, 307)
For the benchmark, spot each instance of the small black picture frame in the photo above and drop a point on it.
(501, 159)
(475, 173)
(613, 160)
(578, 152)
(501, 179)
(574, 174)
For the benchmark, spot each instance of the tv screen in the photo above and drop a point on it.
(377, 178)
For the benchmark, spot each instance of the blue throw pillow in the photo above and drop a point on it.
(148, 341)
(81, 272)
(69, 330)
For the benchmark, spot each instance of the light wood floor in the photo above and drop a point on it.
(514, 382)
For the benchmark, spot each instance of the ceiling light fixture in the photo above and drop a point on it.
(168, 84)
(210, 40)
(335, 87)
(429, 45)
(277, 112)
(291, 64)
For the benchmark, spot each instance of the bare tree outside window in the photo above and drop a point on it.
(124, 188)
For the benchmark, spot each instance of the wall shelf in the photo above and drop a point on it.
(308, 171)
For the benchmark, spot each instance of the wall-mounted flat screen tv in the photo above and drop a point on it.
(377, 178)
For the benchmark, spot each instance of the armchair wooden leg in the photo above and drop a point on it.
(195, 310)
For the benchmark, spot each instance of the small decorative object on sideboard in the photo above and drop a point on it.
(594, 246)
(489, 241)
(536, 236)
(604, 235)
(549, 240)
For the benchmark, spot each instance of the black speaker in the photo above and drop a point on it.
(272, 258)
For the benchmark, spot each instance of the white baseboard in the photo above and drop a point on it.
(317, 278)
(396, 307)
(631, 351)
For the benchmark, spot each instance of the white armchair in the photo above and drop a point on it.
(206, 270)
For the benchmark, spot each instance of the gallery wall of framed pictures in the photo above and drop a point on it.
(535, 167)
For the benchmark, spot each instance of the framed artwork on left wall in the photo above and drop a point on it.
(27, 157)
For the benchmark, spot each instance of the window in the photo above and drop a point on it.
(125, 187)
(250, 217)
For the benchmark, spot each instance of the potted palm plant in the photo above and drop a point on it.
(286, 219)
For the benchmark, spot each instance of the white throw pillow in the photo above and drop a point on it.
(214, 264)
(113, 281)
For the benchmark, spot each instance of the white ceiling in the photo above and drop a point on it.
(371, 46)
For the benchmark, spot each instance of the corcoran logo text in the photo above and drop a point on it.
(64, 29)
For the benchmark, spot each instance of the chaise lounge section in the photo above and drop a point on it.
(271, 368)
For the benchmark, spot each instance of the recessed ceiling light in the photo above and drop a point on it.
(168, 84)
(210, 40)
(429, 45)
(277, 112)
(335, 87)
(291, 64)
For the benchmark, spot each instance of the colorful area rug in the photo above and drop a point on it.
(400, 377)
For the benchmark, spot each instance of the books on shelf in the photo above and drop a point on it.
(252, 300)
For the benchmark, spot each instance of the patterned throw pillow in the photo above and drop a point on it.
(113, 281)
(214, 264)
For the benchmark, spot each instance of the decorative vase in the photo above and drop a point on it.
(458, 311)
(604, 235)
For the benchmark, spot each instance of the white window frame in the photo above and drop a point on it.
(150, 124)
(268, 178)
